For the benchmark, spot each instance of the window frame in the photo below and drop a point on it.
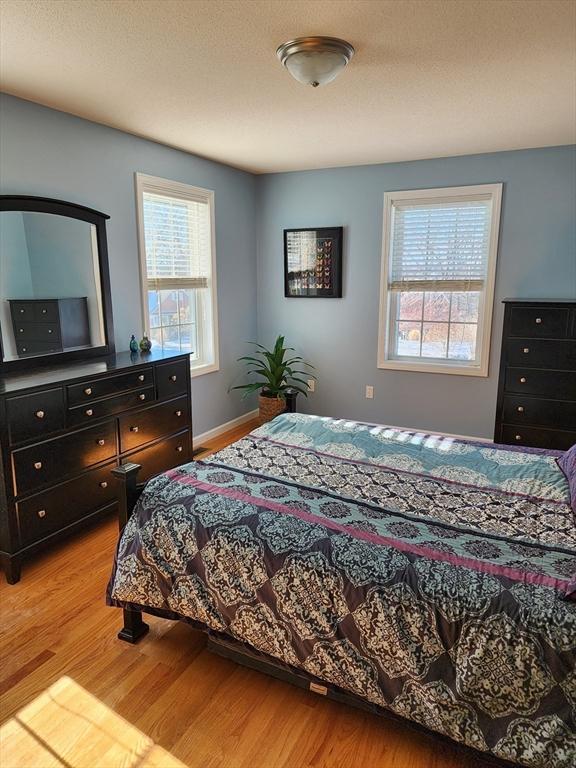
(177, 189)
(388, 301)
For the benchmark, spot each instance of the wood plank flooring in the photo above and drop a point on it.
(206, 711)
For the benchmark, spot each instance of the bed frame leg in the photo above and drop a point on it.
(134, 628)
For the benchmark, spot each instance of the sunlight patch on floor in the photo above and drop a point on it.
(67, 727)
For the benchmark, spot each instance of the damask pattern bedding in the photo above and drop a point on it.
(429, 576)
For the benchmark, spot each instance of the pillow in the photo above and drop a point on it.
(567, 463)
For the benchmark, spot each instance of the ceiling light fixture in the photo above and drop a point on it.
(315, 60)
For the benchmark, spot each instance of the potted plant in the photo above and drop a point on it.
(278, 375)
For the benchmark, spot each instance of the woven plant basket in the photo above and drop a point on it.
(269, 408)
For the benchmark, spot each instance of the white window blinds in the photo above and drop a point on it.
(440, 245)
(177, 236)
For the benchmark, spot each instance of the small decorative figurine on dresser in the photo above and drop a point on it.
(133, 344)
(145, 344)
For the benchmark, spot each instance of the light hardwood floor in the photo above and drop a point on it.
(207, 712)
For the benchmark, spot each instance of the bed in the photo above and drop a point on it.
(426, 576)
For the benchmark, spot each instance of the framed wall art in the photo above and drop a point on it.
(313, 263)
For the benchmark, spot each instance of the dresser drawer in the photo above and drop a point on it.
(22, 311)
(54, 459)
(172, 379)
(540, 322)
(35, 311)
(44, 514)
(49, 332)
(542, 353)
(162, 456)
(538, 438)
(144, 426)
(46, 312)
(33, 416)
(554, 385)
(84, 414)
(534, 411)
(38, 347)
(78, 394)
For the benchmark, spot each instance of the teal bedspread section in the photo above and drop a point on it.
(532, 473)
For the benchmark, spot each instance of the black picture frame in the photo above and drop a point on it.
(30, 203)
(313, 263)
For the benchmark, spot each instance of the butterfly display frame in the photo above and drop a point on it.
(313, 263)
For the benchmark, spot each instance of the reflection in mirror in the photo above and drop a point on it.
(50, 286)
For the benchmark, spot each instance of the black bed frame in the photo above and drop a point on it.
(135, 628)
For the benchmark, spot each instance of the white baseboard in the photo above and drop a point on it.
(226, 427)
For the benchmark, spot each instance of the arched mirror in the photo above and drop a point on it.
(54, 283)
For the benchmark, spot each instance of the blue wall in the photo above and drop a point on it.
(49, 153)
(52, 154)
(537, 258)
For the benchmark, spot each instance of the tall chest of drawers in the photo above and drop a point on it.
(537, 385)
(62, 431)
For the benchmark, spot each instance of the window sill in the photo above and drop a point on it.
(200, 370)
(421, 367)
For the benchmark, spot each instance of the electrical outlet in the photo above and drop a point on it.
(311, 385)
(369, 392)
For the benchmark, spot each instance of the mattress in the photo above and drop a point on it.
(430, 576)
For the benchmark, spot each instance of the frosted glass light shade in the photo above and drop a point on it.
(315, 60)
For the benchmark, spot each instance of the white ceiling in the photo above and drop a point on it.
(430, 77)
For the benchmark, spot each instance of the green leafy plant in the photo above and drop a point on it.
(276, 371)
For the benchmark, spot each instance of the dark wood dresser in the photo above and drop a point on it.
(63, 429)
(537, 386)
(49, 325)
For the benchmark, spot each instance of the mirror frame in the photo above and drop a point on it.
(32, 204)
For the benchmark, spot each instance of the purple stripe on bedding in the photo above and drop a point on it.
(563, 586)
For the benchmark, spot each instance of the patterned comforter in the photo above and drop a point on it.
(430, 576)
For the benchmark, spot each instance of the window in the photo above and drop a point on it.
(176, 228)
(437, 284)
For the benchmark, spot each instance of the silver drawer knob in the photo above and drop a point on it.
(173, 377)
(178, 413)
(179, 448)
(88, 391)
(518, 437)
(101, 441)
(22, 311)
(134, 429)
(49, 330)
(37, 465)
(41, 513)
(20, 330)
(44, 311)
(39, 414)
(538, 320)
(520, 409)
(103, 484)
(23, 349)
(141, 397)
(522, 379)
(89, 412)
(526, 350)
(141, 377)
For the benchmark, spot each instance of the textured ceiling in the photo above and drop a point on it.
(430, 77)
